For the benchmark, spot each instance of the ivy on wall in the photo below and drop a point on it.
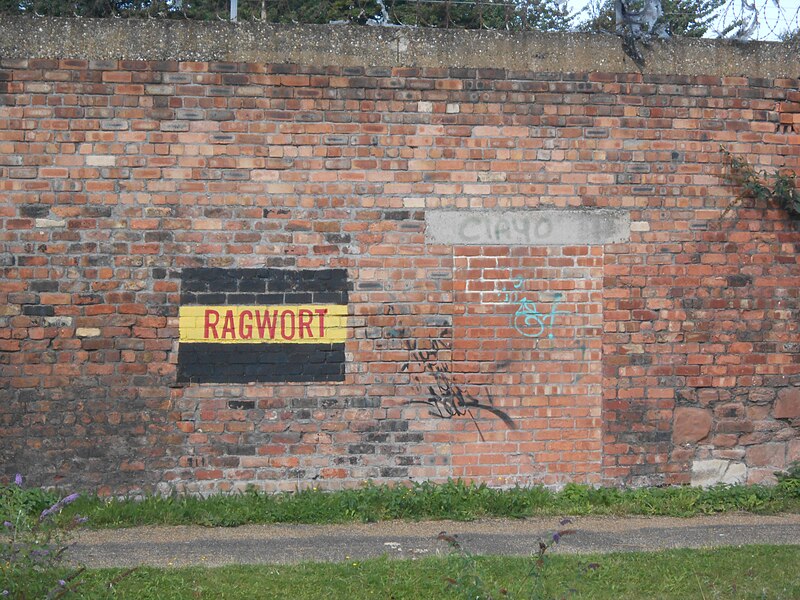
(780, 188)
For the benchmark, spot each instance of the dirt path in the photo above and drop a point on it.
(257, 544)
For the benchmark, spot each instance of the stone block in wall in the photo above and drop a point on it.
(691, 425)
(761, 477)
(771, 455)
(793, 451)
(706, 473)
(787, 406)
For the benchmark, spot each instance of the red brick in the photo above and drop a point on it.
(651, 323)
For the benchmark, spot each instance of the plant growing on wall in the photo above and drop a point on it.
(780, 188)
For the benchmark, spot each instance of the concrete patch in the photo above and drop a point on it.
(706, 473)
(527, 227)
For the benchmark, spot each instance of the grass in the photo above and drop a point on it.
(729, 573)
(453, 500)
(748, 572)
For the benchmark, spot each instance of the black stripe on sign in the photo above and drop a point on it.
(214, 286)
(245, 363)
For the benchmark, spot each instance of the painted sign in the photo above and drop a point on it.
(298, 324)
(270, 325)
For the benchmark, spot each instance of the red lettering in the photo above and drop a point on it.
(306, 317)
(321, 312)
(209, 325)
(267, 323)
(246, 330)
(284, 335)
(293, 323)
(228, 325)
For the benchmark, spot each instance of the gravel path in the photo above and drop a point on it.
(259, 544)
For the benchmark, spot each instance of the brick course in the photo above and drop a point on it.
(117, 176)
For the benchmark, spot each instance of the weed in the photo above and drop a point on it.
(539, 568)
(789, 480)
(453, 500)
(466, 580)
(761, 186)
(791, 473)
(470, 585)
(33, 541)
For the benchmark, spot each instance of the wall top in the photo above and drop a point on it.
(341, 45)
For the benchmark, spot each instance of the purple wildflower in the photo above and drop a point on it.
(8, 524)
(58, 506)
(81, 520)
(18, 480)
(62, 582)
(556, 537)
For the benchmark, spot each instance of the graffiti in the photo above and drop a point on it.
(527, 320)
(445, 398)
(541, 227)
(504, 227)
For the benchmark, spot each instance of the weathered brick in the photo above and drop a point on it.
(620, 363)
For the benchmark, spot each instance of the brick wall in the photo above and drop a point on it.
(129, 187)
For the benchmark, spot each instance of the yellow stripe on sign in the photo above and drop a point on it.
(284, 324)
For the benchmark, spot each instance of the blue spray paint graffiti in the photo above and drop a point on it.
(527, 320)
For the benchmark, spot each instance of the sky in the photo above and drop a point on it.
(774, 16)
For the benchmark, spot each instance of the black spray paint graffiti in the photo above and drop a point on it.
(446, 398)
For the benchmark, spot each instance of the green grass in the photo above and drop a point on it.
(453, 500)
(724, 573)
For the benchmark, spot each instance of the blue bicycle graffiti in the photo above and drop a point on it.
(527, 320)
